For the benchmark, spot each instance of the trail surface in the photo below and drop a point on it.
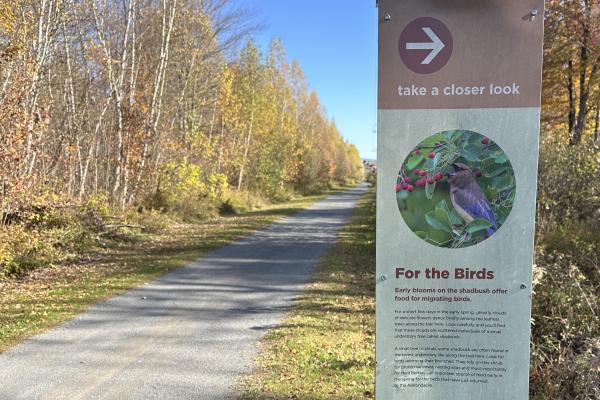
(187, 335)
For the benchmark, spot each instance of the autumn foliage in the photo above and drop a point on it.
(145, 102)
(565, 330)
(166, 106)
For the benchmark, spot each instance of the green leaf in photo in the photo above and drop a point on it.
(403, 195)
(501, 214)
(475, 139)
(429, 190)
(479, 225)
(493, 171)
(488, 162)
(471, 153)
(464, 136)
(511, 198)
(442, 205)
(502, 183)
(414, 161)
(455, 218)
(442, 216)
(502, 158)
(451, 136)
(432, 165)
(434, 223)
(490, 193)
(422, 235)
(493, 148)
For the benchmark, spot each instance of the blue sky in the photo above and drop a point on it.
(336, 44)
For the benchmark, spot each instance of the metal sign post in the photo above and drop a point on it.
(458, 126)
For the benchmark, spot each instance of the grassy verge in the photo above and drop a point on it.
(48, 296)
(325, 348)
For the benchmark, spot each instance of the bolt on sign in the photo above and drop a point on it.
(458, 123)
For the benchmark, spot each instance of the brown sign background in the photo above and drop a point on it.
(494, 42)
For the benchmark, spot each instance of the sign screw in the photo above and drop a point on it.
(383, 278)
(387, 17)
(523, 286)
(534, 13)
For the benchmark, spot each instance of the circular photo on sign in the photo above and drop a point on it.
(456, 189)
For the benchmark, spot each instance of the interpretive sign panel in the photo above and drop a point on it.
(458, 128)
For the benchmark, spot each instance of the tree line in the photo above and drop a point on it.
(565, 327)
(139, 100)
(571, 97)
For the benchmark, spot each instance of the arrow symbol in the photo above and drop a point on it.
(436, 46)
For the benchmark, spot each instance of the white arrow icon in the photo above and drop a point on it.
(436, 46)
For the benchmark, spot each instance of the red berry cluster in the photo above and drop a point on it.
(407, 182)
(404, 186)
(429, 155)
(422, 176)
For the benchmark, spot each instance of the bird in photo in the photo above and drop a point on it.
(468, 199)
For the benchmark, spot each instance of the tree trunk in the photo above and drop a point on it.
(597, 120)
(584, 81)
(246, 145)
(571, 96)
(157, 95)
(221, 140)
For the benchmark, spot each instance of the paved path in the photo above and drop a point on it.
(188, 335)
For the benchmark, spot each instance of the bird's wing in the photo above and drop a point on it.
(475, 204)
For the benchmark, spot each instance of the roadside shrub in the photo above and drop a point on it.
(196, 210)
(312, 189)
(159, 200)
(564, 305)
(282, 196)
(565, 331)
(574, 376)
(151, 220)
(241, 202)
(41, 227)
(186, 192)
(568, 185)
(580, 243)
(22, 250)
(97, 204)
(371, 178)
(70, 240)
